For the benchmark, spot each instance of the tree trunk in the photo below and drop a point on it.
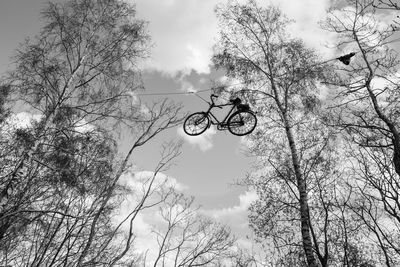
(303, 199)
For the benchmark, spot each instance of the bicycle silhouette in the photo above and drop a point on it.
(240, 120)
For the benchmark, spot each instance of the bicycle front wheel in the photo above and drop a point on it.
(242, 122)
(196, 123)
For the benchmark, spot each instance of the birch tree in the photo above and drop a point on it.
(367, 101)
(186, 238)
(279, 78)
(297, 162)
(59, 176)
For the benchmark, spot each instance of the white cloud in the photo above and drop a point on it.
(384, 88)
(236, 217)
(145, 241)
(134, 98)
(198, 57)
(245, 200)
(184, 31)
(186, 86)
(149, 218)
(83, 126)
(369, 27)
(23, 119)
(203, 141)
(137, 180)
(144, 109)
(307, 15)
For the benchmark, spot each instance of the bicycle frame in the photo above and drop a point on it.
(214, 120)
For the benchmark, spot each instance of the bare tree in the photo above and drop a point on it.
(279, 77)
(60, 176)
(61, 233)
(80, 67)
(4, 95)
(366, 108)
(187, 238)
(240, 257)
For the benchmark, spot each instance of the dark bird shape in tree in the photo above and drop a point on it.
(346, 58)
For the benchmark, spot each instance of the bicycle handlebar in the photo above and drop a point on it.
(233, 102)
(211, 97)
(236, 100)
(212, 100)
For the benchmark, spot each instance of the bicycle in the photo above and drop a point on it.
(240, 120)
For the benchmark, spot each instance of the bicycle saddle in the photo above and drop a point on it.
(243, 107)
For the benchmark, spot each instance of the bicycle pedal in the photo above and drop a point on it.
(222, 127)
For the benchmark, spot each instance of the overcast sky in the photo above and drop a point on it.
(183, 33)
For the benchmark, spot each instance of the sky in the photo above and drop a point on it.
(183, 33)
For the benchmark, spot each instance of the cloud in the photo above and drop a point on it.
(82, 126)
(149, 219)
(385, 88)
(137, 180)
(235, 216)
(307, 15)
(23, 119)
(145, 110)
(369, 28)
(145, 241)
(245, 200)
(203, 141)
(184, 31)
(197, 56)
(186, 86)
(134, 98)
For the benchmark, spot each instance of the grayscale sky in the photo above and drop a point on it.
(183, 33)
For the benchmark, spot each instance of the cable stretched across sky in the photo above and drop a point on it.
(345, 59)
(174, 93)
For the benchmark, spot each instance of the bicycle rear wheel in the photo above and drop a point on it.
(196, 123)
(242, 122)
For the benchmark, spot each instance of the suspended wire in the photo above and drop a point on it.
(345, 59)
(174, 93)
(200, 98)
(195, 92)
